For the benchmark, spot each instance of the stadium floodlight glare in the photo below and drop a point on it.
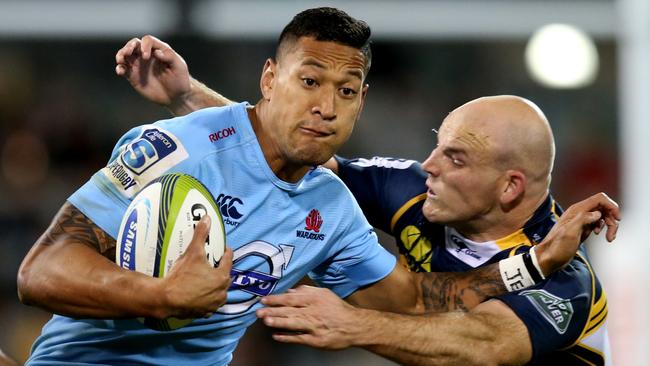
(561, 56)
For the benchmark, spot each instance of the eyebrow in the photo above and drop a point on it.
(312, 62)
(455, 150)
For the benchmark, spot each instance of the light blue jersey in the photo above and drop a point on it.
(279, 232)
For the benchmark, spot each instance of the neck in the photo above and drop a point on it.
(499, 224)
(281, 167)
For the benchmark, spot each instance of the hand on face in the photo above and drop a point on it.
(310, 316)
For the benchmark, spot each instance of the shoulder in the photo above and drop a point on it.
(210, 125)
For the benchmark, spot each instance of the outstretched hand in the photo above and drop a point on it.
(154, 69)
(311, 316)
(574, 226)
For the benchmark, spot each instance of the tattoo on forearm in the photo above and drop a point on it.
(72, 224)
(461, 290)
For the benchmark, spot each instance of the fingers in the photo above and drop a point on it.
(151, 43)
(305, 339)
(612, 229)
(165, 55)
(225, 263)
(126, 51)
(293, 323)
(288, 299)
(197, 245)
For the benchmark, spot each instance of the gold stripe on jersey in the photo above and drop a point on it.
(553, 209)
(515, 239)
(513, 251)
(590, 356)
(398, 214)
(597, 314)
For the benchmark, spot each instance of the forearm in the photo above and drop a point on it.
(449, 291)
(455, 338)
(199, 97)
(76, 281)
(68, 271)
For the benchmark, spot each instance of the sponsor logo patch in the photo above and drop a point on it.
(249, 285)
(219, 135)
(144, 159)
(229, 207)
(462, 247)
(555, 310)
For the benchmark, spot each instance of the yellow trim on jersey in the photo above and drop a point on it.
(404, 208)
(553, 209)
(597, 313)
(513, 251)
(583, 360)
(515, 239)
(588, 349)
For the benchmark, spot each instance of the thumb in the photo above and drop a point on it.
(201, 231)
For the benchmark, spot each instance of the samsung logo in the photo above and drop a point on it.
(129, 236)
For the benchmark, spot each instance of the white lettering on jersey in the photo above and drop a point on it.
(384, 163)
(255, 282)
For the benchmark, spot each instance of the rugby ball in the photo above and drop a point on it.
(158, 226)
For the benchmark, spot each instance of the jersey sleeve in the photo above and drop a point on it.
(556, 311)
(382, 186)
(140, 156)
(356, 260)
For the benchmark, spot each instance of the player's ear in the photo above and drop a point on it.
(267, 78)
(513, 189)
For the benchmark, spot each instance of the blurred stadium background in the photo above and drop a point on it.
(62, 108)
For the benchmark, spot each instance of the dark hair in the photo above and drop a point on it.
(330, 25)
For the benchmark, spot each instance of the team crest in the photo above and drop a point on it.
(313, 222)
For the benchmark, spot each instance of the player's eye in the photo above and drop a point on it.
(348, 92)
(309, 81)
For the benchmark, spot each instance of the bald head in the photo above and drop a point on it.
(510, 131)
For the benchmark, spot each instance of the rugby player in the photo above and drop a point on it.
(312, 94)
(493, 197)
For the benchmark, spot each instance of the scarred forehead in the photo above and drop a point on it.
(460, 133)
(330, 55)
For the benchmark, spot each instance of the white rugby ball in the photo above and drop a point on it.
(158, 226)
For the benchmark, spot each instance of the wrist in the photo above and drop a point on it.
(521, 271)
(545, 259)
(365, 328)
(182, 103)
(160, 306)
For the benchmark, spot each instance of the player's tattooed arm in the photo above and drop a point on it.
(71, 224)
(489, 334)
(71, 271)
(447, 291)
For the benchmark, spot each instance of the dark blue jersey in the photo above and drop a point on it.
(565, 314)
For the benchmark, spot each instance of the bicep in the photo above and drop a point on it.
(511, 337)
(71, 225)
